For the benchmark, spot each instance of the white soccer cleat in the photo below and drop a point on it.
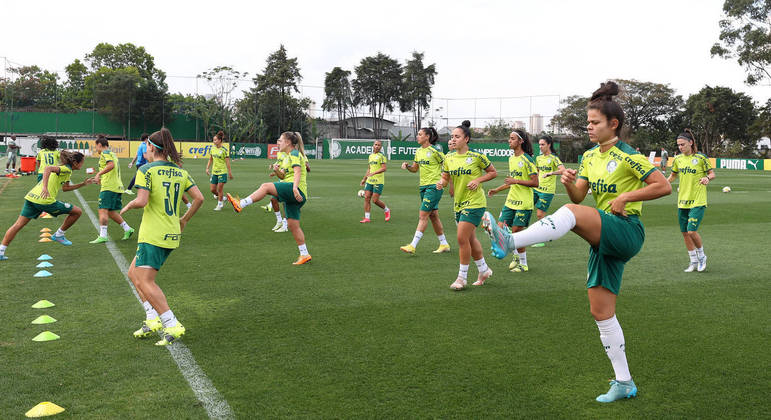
(702, 264)
(690, 269)
(219, 207)
(459, 284)
(277, 226)
(283, 228)
(483, 277)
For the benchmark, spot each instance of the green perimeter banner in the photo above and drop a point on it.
(745, 164)
(402, 150)
(260, 151)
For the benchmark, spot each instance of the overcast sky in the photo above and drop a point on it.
(482, 49)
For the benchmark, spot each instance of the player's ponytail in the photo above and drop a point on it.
(164, 144)
(296, 139)
(70, 158)
(465, 126)
(433, 136)
(220, 135)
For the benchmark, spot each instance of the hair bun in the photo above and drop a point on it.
(466, 123)
(606, 91)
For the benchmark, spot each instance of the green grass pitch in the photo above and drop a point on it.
(365, 330)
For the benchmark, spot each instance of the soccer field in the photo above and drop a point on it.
(365, 330)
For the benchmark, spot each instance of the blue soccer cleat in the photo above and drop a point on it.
(619, 390)
(498, 236)
(61, 239)
(3, 258)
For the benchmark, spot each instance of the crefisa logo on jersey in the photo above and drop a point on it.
(612, 165)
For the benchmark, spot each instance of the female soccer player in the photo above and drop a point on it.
(110, 194)
(373, 182)
(293, 194)
(160, 185)
(522, 178)
(695, 174)
(618, 176)
(42, 198)
(47, 155)
(428, 159)
(467, 169)
(220, 170)
(548, 164)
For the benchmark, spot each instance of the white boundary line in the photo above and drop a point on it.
(216, 406)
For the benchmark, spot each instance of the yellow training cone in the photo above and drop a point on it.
(42, 304)
(45, 240)
(45, 230)
(44, 409)
(45, 235)
(46, 336)
(44, 319)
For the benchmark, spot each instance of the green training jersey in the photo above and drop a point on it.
(620, 169)
(47, 158)
(110, 181)
(690, 169)
(166, 183)
(521, 167)
(430, 160)
(218, 155)
(546, 164)
(464, 169)
(298, 159)
(55, 182)
(375, 162)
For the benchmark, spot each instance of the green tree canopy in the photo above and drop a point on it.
(745, 34)
(338, 95)
(377, 85)
(720, 118)
(417, 82)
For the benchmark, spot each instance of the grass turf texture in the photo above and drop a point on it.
(365, 330)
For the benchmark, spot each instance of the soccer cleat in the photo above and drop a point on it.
(365, 220)
(497, 236)
(619, 390)
(235, 202)
(127, 234)
(219, 207)
(459, 284)
(691, 268)
(129, 192)
(149, 326)
(519, 268)
(483, 277)
(514, 262)
(62, 240)
(388, 215)
(538, 245)
(408, 249)
(268, 208)
(442, 249)
(3, 258)
(302, 259)
(702, 264)
(277, 226)
(171, 334)
(99, 240)
(281, 228)
(215, 197)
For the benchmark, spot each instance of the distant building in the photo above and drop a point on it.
(519, 124)
(536, 123)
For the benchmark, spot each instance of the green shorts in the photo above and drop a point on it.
(375, 188)
(542, 200)
(33, 210)
(473, 216)
(151, 255)
(429, 197)
(620, 240)
(690, 219)
(286, 195)
(110, 200)
(219, 179)
(515, 217)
